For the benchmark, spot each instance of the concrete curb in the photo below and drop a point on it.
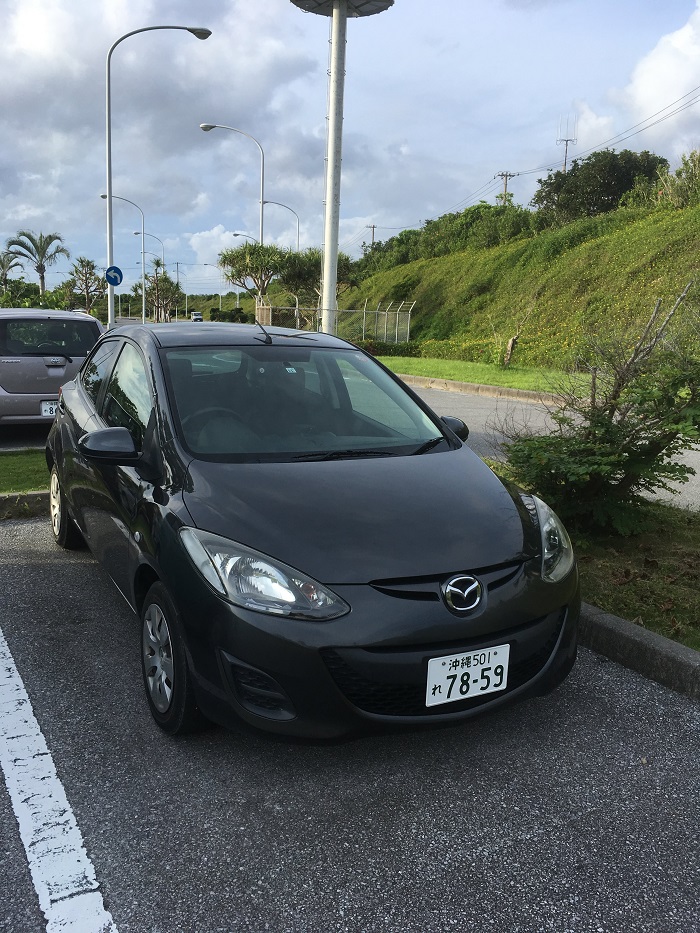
(660, 659)
(24, 505)
(473, 388)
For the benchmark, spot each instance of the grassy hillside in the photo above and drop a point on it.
(555, 288)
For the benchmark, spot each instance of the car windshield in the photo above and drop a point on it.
(26, 337)
(272, 402)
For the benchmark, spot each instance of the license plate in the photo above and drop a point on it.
(48, 409)
(463, 676)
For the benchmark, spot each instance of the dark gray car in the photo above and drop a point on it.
(39, 351)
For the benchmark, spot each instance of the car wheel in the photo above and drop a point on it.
(164, 665)
(65, 533)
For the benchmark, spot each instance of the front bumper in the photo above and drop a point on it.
(368, 670)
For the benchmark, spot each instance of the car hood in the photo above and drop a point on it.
(353, 521)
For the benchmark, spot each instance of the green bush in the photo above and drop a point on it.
(379, 348)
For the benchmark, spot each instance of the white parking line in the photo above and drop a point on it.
(63, 875)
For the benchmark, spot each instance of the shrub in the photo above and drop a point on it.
(623, 440)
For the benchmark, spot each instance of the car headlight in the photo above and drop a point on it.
(252, 580)
(557, 552)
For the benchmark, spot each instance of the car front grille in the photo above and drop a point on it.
(401, 699)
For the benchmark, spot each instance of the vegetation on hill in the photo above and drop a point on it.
(551, 289)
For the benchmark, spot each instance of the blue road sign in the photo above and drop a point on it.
(114, 275)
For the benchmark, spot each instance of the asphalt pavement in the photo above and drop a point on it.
(572, 813)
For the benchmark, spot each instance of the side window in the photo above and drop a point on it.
(128, 400)
(97, 367)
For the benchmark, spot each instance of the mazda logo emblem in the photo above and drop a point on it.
(462, 593)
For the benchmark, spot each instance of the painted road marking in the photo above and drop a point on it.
(63, 875)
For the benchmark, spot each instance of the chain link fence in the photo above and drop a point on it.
(388, 325)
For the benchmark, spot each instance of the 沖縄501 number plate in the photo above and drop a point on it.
(462, 676)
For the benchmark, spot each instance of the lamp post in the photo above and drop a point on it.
(339, 10)
(162, 248)
(143, 264)
(293, 212)
(200, 34)
(219, 126)
(247, 234)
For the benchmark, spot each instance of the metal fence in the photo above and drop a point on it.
(388, 325)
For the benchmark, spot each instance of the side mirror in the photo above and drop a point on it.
(112, 446)
(457, 426)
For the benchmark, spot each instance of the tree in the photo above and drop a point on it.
(40, 250)
(8, 262)
(252, 263)
(623, 438)
(594, 185)
(163, 294)
(85, 282)
(301, 275)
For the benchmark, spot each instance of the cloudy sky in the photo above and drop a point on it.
(441, 97)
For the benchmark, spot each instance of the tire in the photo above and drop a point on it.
(65, 532)
(166, 677)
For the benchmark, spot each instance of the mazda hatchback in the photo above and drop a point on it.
(310, 549)
(39, 351)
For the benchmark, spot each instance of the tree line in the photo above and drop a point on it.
(604, 181)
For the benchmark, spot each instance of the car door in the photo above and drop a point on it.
(77, 415)
(118, 491)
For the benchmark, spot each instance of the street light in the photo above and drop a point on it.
(162, 248)
(245, 235)
(219, 126)
(293, 212)
(200, 34)
(339, 11)
(143, 264)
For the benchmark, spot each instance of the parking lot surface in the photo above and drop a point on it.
(575, 812)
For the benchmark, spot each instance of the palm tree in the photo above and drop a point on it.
(8, 262)
(39, 250)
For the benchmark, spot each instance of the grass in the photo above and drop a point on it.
(23, 471)
(652, 578)
(514, 377)
(487, 374)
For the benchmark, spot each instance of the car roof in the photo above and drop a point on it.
(45, 314)
(188, 335)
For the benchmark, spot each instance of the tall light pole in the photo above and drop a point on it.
(162, 248)
(200, 34)
(143, 262)
(339, 10)
(219, 126)
(247, 235)
(279, 204)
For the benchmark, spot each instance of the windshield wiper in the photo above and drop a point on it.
(424, 448)
(350, 454)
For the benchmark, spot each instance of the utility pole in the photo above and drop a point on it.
(506, 176)
(372, 227)
(565, 140)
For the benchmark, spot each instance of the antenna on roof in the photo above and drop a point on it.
(268, 338)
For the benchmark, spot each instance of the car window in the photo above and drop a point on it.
(375, 396)
(97, 367)
(26, 337)
(276, 402)
(128, 401)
